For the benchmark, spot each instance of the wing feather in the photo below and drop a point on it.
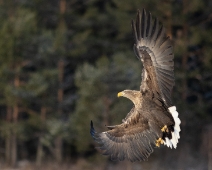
(149, 25)
(144, 24)
(151, 41)
(154, 32)
(138, 26)
(134, 142)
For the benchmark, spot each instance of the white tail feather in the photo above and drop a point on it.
(175, 135)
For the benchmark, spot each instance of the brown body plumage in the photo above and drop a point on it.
(153, 119)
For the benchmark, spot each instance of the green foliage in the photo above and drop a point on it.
(54, 128)
(37, 84)
(17, 31)
(6, 129)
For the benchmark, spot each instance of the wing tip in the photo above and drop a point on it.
(92, 130)
(139, 11)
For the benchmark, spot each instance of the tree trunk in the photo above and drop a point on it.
(15, 121)
(14, 150)
(8, 138)
(58, 149)
(58, 141)
(40, 152)
(8, 148)
(209, 148)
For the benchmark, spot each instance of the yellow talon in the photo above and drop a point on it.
(165, 129)
(159, 142)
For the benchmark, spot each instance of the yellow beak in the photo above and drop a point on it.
(120, 94)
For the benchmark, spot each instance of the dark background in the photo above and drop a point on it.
(62, 63)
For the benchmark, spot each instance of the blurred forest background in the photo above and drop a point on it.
(62, 63)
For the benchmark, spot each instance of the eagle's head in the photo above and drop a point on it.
(133, 95)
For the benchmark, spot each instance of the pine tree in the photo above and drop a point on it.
(16, 32)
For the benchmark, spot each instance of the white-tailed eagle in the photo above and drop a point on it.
(153, 120)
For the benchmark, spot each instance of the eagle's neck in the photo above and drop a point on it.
(134, 96)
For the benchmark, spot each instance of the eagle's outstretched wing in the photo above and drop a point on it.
(133, 143)
(134, 138)
(154, 49)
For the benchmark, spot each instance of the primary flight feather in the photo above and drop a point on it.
(153, 120)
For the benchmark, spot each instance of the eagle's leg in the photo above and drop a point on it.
(165, 129)
(159, 142)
